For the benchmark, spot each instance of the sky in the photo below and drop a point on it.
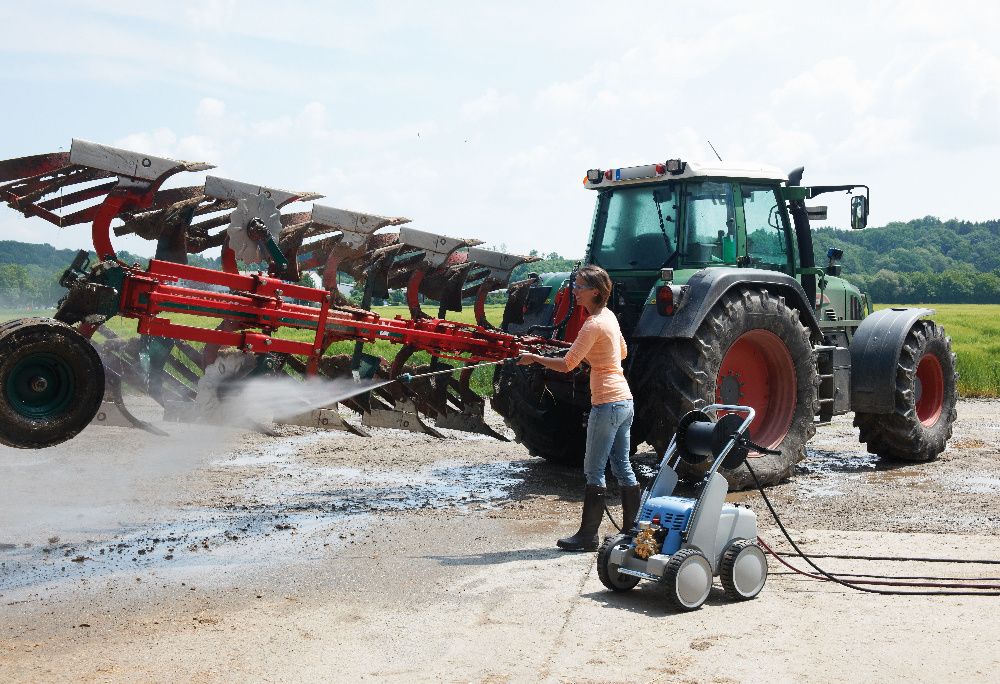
(479, 120)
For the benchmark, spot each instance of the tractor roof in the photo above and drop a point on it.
(675, 169)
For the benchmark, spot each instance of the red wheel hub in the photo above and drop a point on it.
(929, 389)
(758, 371)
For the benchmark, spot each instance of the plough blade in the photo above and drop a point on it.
(401, 416)
(328, 418)
(468, 420)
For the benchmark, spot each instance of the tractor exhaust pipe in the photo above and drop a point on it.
(803, 235)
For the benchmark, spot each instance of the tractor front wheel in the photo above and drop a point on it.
(926, 394)
(51, 383)
(752, 350)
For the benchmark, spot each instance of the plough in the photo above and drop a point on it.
(57, 375)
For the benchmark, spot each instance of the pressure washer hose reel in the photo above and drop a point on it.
(682, 543)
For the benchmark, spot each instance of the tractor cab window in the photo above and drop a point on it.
(637, 230)
(709, 224)
(767, 240)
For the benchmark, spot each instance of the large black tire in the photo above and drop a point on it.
(926, 394)
(554, 430)
(51, 383)
(607, 572)
(772, 369)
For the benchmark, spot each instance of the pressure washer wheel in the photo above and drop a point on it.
(744, 570)
(607, 571)
(687, 579)
(51, 383)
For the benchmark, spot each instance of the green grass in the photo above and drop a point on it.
(974, 330)
(975, 337)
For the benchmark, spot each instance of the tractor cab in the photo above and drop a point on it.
(688, 216)
(685, 216)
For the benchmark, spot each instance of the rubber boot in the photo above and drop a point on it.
(585, 538)
(631, 496)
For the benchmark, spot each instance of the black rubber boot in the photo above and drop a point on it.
(631, 496)
(593, 510)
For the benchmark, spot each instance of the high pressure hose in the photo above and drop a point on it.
(980, 589)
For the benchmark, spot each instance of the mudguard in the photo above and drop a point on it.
(875, 352)
(707, 286)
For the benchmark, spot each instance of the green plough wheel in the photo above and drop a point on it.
(51, 383)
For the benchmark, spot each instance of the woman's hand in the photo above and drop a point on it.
(527, 359)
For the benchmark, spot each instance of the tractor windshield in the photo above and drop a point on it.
(635, 228)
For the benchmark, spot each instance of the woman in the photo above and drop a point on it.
(601, 345)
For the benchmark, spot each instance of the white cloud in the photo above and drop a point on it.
(163, 142)
(488, 104)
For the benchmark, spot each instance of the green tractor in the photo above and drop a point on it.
(720, 300)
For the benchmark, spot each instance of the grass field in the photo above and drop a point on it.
(973, 328)
(975, 337)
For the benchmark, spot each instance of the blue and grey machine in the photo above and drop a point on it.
(683, 543)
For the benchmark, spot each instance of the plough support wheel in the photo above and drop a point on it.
(51, 383)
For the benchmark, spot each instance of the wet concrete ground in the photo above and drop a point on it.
(124, 556)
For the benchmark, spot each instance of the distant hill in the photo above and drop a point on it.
(29, 273)
(47, 257)
(920, 261)
(927, 244)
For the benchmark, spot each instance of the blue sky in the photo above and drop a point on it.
(480, 120)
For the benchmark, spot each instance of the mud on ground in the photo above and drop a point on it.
(221, 555)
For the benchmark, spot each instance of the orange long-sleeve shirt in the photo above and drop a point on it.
(601, 344)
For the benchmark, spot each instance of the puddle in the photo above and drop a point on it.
(820, 461)
(284, 509)
(976, 484)
(823, 473)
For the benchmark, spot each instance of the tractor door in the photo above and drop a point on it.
(710, 236)
(768, 241)
(634, 236)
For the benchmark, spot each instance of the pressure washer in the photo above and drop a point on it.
(683, 543)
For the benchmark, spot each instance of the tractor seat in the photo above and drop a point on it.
(648, 252)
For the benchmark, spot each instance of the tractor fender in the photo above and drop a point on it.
(706, 287)
(875, 350)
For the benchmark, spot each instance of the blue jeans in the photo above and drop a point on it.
(607, 437)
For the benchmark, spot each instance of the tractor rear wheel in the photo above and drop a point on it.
(751, 349)
(926, 394)
(51, 383)
(554, 430)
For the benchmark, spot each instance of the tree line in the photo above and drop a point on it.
(923, 260)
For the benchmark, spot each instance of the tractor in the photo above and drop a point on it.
(721, 302)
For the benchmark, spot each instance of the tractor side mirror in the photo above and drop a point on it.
(859, 212)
